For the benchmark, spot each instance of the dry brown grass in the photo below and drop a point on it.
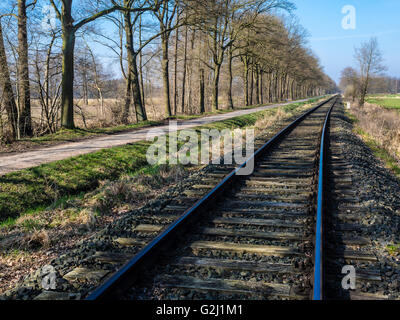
(92, 114)
(37, 239)
(270, 118)
(128, 191)
(381, 124)
(92, 117)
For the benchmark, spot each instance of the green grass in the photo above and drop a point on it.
(393, 250)
(352, 118)
(32, 190)
(386, 101)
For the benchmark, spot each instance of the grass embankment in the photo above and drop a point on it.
(380, 129)
(391, 162)
(32, 190)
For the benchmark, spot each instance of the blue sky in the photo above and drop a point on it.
(335, 45)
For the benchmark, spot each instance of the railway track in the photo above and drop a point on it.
(284, 232)
(248, 238)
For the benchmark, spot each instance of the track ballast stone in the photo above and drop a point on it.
(378, 192)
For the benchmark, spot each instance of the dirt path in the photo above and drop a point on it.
(30, 159)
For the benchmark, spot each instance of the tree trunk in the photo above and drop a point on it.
(132, 81)
(292, 90)
(246, 81)
(276, 95)
(141, 114)
(217, 72)
(202, 93)
(184, 72)
(176, 72)
(230, 82)
(8, 94)
(68, 48)
(189, 71)
(129, 49)
(165, 74)
(251, 85)
(257, 86)
(262, 86)
(25, 119)
(270, 87)
(364, 90)
(143, 98)
(128, 98)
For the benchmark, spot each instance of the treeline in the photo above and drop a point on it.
(385, 85)
(378, 84)
(199, 55)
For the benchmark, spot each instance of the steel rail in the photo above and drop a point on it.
(126, 276)
(318, 288)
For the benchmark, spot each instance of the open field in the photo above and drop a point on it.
(386, 101)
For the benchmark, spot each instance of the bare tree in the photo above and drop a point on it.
(223, 21)
(69, 30)
(370, 60)
(48, 85)
(221, 44)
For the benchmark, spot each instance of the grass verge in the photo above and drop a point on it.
(378, 133)
(390, 162)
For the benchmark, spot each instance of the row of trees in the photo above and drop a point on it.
(368, 78)
(195, 47)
